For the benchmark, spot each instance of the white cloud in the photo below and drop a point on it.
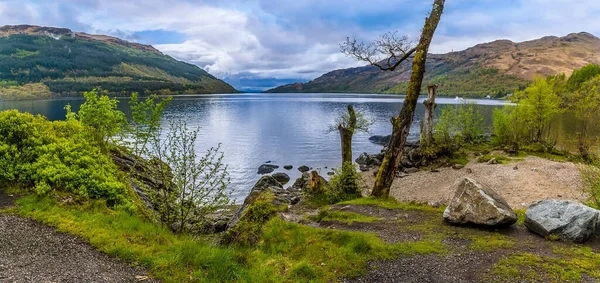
(298, 39)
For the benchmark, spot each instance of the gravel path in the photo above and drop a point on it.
(33, 252)
(535, 179)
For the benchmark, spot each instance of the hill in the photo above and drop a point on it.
(494, 68)
(41, 62)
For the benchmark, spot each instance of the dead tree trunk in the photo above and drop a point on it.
(427, 124)
(346, 135)
(401, 124)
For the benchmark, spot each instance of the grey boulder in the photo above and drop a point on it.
(569, 220)
(474, 203)
(266, 168)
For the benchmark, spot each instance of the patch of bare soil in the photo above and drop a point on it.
(519, 182)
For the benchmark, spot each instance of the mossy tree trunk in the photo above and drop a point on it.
(427, 124)
(346, 133)
(401, 124)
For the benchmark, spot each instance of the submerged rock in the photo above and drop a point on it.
(267, 168)
(569, 220)
(288, 167)
(282, 178)
(303, 168)
(474, 203)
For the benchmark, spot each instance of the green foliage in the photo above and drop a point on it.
(590, 175)
(345, 184)
(56, 156)
(145, 123)
(585, 106)
(458, 125)
(61, 65)
(248, 230)
(194, 185)
(580, 76)
(529, 121)
(101, 116)
(342, 216)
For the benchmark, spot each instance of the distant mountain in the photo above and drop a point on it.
(40, 62)
(494, 68)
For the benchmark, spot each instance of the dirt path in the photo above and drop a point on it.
(33, 252)
(534, 179)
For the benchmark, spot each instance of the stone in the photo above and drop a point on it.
(492, 161)
(364, 168)
(266, 169)
(301, 183)
(474, 203)
(282, 178)
(411, 170)
(330, 173)
(380, 140)
(458, 166)
(569, 220)
(288, 167)
(406, 162)
(369, 159)
(266, 184)
(303, 168)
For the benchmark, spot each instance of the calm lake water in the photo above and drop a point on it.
(282, 128)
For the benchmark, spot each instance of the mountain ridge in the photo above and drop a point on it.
(43, 62)
(494, 68)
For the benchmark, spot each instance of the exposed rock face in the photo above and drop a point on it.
(282, 178)
(266, 184)
(569, 220)
(267, 168)
(142, 174)
(474, 203)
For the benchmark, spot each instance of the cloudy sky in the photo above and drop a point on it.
(258, 44)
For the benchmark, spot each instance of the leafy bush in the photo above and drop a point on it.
(458, 125)
(100, 115)
(590, 175)
(346, 184)
(57, 156)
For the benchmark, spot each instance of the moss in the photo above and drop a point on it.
(530, 267)
(342, 216)
(391, 203)
(248, 230)
(500, 158)
(520, 216)
(491, 242)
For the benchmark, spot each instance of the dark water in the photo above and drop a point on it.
(283, 128)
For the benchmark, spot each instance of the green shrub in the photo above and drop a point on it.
(56, 155)
(590, 175)
(346, 184)
(456, 126)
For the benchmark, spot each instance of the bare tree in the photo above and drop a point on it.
(394, 50)
(393, 47)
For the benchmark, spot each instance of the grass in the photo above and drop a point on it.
(391, 203)
(342, 216)
(491, 242)
(287, 252)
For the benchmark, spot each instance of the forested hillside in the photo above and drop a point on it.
(37, 62)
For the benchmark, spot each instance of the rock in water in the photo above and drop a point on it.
(381, 140)
(569, 220)
(288, 167)
(476, 204)
(282, 178)
(303, 168)
(266, 168)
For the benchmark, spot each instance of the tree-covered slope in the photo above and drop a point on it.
(494, 68)
(37, 62)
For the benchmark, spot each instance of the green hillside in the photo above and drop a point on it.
(37, 63)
